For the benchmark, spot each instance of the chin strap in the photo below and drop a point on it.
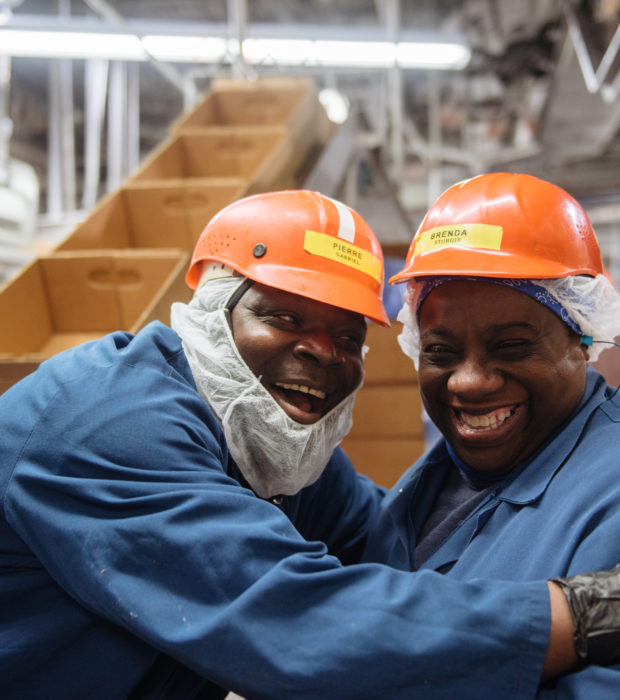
(594, 602)
(234, 298)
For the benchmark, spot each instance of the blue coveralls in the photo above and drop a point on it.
(133, 562)
(556, 515)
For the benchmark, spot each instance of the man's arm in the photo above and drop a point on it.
(561, 656)
(140, 525)
(585, 622)
(337, 510)
(594, 603)
(169, 549)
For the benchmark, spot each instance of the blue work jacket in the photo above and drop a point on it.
(556, 515)
(135, 563)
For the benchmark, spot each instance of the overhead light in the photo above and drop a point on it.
(189, 49)
(257, 51)
(336, 105)
(371, 54)
(432, 55)
(43, 44)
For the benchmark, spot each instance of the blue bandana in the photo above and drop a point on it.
(526, 286)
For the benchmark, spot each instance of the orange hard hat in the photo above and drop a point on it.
(301, 242)
(504, 225)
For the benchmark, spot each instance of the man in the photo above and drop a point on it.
(506, 302)
(174, 503)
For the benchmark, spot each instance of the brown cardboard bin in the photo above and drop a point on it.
(383, 460)
(63, 299)
(264, 156)
(288, 102)
(388, 432)
(170, 214)
(388, 410)
(385, 360)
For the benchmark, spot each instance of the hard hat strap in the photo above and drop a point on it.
(234, 298)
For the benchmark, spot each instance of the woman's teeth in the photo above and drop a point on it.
(301, 387)
(488, 421)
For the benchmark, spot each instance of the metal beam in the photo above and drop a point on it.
(5, 122)
(95, 88)
(594, 79)
(117, 132)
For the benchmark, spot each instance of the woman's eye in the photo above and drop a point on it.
(437, 353)
(513, 350)
(513, 345)
(437, 349)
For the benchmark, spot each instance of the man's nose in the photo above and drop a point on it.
(319, 347)
(474, 376)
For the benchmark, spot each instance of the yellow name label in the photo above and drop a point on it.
(467, 235)
(341, 251)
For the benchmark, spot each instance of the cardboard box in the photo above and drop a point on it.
(388, 431)
(383, 461)
(64, 299)
(388, 410)
(263, 156)
(170, 214)
(290, 102)
(385, 361)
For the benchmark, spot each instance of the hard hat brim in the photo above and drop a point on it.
(460, 260)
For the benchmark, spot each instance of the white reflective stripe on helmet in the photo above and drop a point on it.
(346, 227)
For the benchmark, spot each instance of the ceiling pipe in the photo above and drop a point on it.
(237, 24)
(107, 12)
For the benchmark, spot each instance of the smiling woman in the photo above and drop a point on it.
(506, 295)
(498, 371)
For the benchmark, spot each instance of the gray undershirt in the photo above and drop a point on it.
(457, 498)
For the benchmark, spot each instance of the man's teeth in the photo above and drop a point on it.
(488, 421)
(304, 389)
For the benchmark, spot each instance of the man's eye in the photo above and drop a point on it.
(281, 318)
(352, 341)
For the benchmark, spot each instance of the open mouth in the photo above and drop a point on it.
(302, 403)
(481, 423)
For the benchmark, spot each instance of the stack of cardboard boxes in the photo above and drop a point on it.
(125, 263)
(388, 431)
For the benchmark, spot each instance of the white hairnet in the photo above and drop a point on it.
(591, 302)
(275, 454)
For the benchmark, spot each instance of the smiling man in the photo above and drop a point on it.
(275, 333)
(506, 303)
(266, 321)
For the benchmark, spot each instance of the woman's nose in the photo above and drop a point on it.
(473, 376)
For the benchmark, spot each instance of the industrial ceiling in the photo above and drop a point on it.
(539, 94)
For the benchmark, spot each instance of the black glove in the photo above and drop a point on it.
(594, 602)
